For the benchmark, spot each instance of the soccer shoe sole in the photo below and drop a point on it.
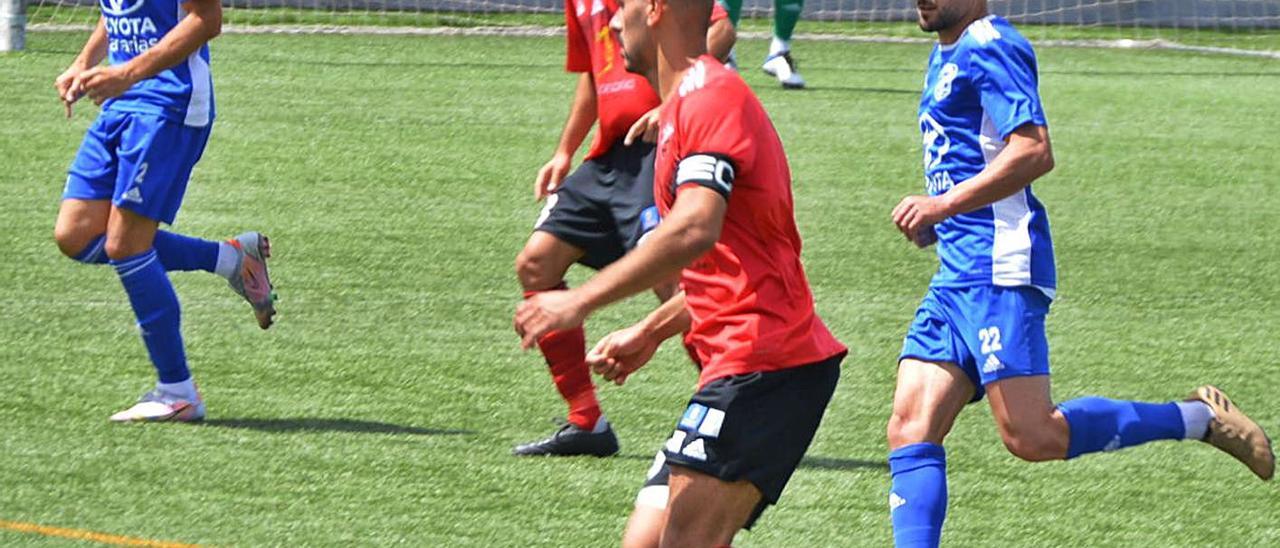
(1235, 433)
(258, 246)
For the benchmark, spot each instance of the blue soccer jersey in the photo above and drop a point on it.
(978, 91)
(183, 92)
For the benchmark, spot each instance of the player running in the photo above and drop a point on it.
(778, 64)
(597, 213)
(728, 232)
(131, 172)
(980, 327)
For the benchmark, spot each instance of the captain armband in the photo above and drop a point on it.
(712, 171)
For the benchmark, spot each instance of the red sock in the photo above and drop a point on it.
(566, 354)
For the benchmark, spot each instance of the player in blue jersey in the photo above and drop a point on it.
(131, 172)
(980, 328)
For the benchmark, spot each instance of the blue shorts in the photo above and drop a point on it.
(141, 162)
(990, 332)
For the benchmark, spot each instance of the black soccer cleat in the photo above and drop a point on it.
(569, 440)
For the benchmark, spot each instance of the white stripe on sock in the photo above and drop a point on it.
(129, 269)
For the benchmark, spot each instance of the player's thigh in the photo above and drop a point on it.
(155, 159)
(544, 260)
(926, 401)
(79, 223)
(753, 427)
(577, 214)
(631, 204)
(706, 511)
(91, 180)
(129, 233)
(1031, 427)
(1004, 329)
(644, 527)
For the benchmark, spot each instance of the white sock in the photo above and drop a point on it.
(601, 425)
(184, 389)
(779, 46)
(1195, 418)
(228, 255)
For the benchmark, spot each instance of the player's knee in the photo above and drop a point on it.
(907, 427)
(72, 241)
(534, 271)
(899, 426)
(118, 248)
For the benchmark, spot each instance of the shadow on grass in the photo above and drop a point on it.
(812, 463)
(307, 424)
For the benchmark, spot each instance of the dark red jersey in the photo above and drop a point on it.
(751, 305)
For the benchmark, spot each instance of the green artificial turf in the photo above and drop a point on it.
(394, 176)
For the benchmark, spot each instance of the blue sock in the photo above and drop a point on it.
(178, 252)
(156, 307)
(95, 252)
(918, 499)
(1100, 424)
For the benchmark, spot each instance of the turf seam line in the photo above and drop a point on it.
(538, 31)
(91, 536)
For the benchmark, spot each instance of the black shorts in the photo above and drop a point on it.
(753, 427)
(606, 205)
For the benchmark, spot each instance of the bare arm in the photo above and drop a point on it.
(582, 115)
(688, 232)
(1027, 156)
(670, 319)
(95, 48)
(720, 39)
(94, 51)
(621, 353)
(202, 23)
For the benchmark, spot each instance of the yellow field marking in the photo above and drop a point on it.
(91, 536)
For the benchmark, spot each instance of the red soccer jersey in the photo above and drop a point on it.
(749, 299)
(621, 97)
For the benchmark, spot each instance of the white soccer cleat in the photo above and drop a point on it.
(159, 406)
(783, 67)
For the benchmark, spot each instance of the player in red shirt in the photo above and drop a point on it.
(728, 232)
(596, 214)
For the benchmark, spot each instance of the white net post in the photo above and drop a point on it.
(13, 24)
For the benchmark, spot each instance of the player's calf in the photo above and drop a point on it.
(1036, 440)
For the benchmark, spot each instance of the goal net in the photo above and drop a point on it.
(1251, 25)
